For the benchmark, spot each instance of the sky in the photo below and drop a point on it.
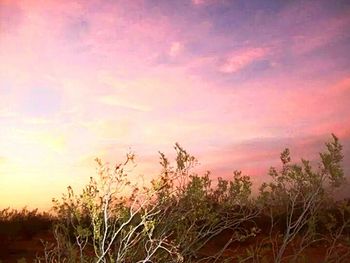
(233, 81)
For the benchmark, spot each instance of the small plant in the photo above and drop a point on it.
(295, 196)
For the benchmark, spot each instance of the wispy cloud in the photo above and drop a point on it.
(203, 2)
(122, 102)
(240, 59)
(199, 2)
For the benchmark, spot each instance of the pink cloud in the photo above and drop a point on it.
(175, 49)
(204, 2)
(240, 59)
(199, 2)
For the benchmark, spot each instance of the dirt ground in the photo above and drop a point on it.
(12, 251)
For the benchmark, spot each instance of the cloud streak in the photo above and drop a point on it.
(241, 59)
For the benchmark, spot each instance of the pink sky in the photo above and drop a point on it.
(233, 82)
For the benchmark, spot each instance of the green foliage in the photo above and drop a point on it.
(197, 211)
(182, 213)
(170, 221)
(295, 195)
(113, 218)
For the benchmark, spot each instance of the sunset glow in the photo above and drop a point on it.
(234, 82)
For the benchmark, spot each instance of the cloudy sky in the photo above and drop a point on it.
(233, 81)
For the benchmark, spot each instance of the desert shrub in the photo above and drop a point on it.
(295, 196)
(334, 229)
(196, 212)
(180, 213)
(113, 219)
(23, 223)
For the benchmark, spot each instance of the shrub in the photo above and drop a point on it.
(181, 213)
(296, 195)
(23, 223)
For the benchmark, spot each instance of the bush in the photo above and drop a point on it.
(23, 223)
(296, 197)
(181, 213)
